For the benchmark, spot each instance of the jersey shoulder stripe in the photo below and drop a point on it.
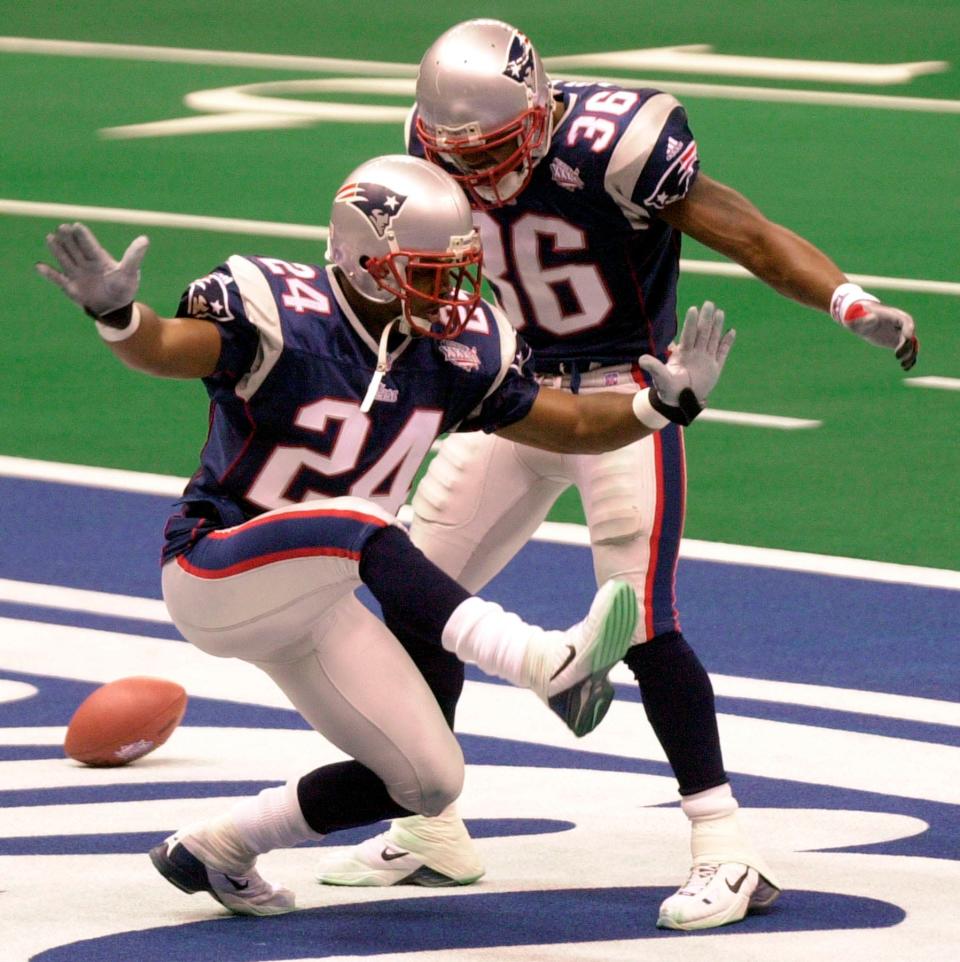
(260, 307)
(633, 152)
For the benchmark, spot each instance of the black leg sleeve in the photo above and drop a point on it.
(678, 699)
(344, 795)
(417, 599)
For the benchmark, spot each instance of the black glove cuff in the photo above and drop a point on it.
(119, 318)
(688, 408)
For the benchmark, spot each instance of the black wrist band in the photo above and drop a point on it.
(119, 318)
(684, 413)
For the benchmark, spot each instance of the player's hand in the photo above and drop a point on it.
(886, 327)
(88, 275)
(695, 362)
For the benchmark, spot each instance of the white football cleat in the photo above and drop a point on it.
(569, 669)
(716, 894)
(182, 859)
(417, 850)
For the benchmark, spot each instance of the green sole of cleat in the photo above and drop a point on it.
(584, 706)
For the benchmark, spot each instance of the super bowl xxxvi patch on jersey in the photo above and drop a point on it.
(565, 176)
(460, 355)
(208, 297)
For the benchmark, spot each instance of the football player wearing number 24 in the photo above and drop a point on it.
(328, 386)
(581, 192)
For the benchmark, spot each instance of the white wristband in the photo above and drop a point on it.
(844, 296)
(645, 413)
(114, 334)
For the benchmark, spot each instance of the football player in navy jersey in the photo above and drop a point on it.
(581, 193)
(328, 386)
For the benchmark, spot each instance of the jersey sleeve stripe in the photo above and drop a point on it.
(261, 310)
(632, 152)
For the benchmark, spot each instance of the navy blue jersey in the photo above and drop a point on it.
(294, 366)
(580, 261)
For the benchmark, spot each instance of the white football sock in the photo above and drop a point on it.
(481, 633)
(272, 819)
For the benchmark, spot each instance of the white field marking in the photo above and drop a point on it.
(220, 58)
(156, 218)
(941, 383)
(555, 531)
(699, 58)
(746, 419)
(904, 707)
(265, 228)
(248, 99)
(78, 599)
(914, 285)
(99, 655)
(251, 101)
(114, 479)
(688, 58)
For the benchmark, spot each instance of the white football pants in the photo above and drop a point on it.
(483, 497)
(288, 606)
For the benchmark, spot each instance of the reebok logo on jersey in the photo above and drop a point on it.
(565, 176)
(460, 355)
(375, 201)
(388, 394)
(674, 147)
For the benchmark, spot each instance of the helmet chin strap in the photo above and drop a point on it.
(383, 364)
(382, 367)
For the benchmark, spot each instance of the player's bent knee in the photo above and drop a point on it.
(431, 795)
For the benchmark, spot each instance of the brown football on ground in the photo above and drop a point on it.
(124, 720)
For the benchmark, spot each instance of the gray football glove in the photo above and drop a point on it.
(885, 327)
(88, 275)
(681, 386)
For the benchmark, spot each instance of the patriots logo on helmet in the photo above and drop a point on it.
(520, 60)
(379, 204)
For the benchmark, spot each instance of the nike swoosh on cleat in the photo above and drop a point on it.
(239, 886)
(735, 888)
(566, 661)
(389, 856)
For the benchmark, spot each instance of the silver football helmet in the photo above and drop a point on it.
(401, 227)
(485, 108)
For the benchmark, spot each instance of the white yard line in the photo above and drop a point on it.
(553, 531)
(316, 232)
(938, 383)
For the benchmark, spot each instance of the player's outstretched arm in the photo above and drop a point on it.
(592, 423)
(723, 219)
(106, 288)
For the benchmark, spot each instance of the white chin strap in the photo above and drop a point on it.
(383, 364)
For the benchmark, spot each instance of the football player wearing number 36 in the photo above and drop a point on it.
(582, 192)
(328, 386)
